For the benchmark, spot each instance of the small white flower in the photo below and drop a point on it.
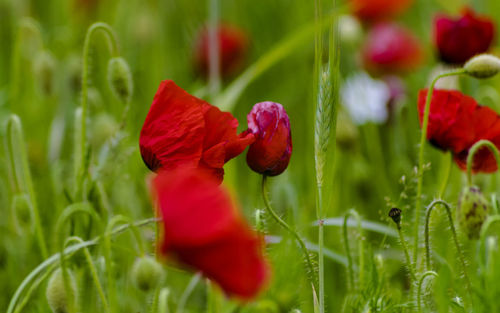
(365, 99)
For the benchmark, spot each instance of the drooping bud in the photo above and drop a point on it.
(21, 208)
(57, 294)
(120, 79)
(271, 151)
(147, 273)
(472, 211)
(395, 214)
(483, 66)
(43, 70)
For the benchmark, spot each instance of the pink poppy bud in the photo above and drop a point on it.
(271, 151)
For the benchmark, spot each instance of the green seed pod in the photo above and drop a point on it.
(147, 273)
(482, 66)
(103, 127)
(43, 70)
(472, 211)
(57, 295)
(21, 208)
(120, 79)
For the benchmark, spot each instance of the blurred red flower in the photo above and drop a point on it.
(182, 130)
(391, 49)
(460, 39)
(271, 151)
(205, 231)
(232, 47)
(376, 10)
(456, 122)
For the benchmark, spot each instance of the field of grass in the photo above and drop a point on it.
(368, 216)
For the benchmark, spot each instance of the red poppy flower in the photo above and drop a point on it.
(271, 151)
(374, 10)
(456, 122)
(391, 49)
(182, 130)
(204, 230)
(460, 39)
(232, 47)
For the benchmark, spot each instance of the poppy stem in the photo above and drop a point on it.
(407, 252)
(423, 137)
(287, 227)
(419, 288)
(21, 174)
(110, 35)
(213, 49)
(350, 269)
(455, 239)
(472, 152)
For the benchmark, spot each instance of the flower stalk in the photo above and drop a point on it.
(472, 152)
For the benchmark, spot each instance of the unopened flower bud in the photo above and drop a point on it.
(483, 66)
(395, 214)
(43, 70)
(271, 151)
(472, 211)
(21, 208)
(57, 294)
(147, 273)
(120, 79)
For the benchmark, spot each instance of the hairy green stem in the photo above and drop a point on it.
(58, 256)
(455, 239)
(18, 159)
(407, 253)
(472, 152)
(350, 269)
(287, 227)
(423, 137)
(163, 300)
(419, 288)
(93, 272)
(110, 35)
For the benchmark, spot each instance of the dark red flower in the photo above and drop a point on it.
(460, 39)
(271, 151)
(182, 130)
(375, 10)
(456, 122)
(205, 231)
(233, 46)
(391, 49)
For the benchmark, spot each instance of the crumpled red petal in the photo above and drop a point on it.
(203, 230)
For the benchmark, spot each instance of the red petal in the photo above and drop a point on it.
(174, 129)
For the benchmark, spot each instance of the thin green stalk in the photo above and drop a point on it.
(448, 157)
(110, 35)
(93, 272)
(419, 288)
(213, 49)
(287, 227)
(58, 256)
(163, 300)
(154, 303)
(423, 137)
(407, 253)
(33, 287)
(21, 173)
(187, 292)
(455, 239)
(107, 254)
(472, 152)
(350, 269)
(482, 238)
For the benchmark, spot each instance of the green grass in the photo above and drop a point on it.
(43, 154)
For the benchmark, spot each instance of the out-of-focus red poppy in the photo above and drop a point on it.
(205, 231)
(456, 122)
(458, 40)
(182, 130)
(376, 10)
(391, 49)
(232, 47)
(271, 151)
